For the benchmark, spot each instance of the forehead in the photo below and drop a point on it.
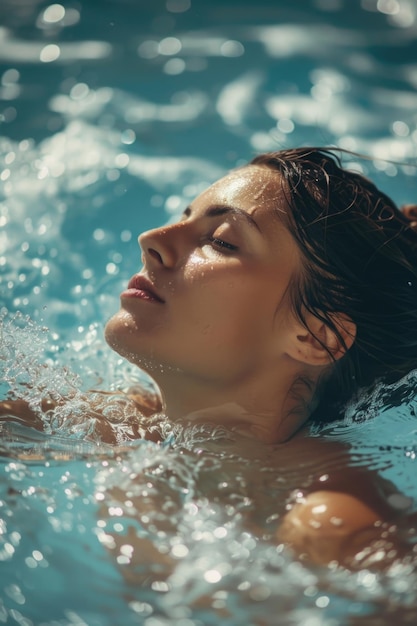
(251, 187)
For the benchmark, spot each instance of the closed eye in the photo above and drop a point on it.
(222, 245)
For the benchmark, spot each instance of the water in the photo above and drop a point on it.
(114, 115)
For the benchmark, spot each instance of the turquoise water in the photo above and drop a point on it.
(113, 115)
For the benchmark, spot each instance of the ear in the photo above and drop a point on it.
(318, 344)
(410, 212)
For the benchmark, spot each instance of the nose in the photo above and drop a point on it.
(160, 247)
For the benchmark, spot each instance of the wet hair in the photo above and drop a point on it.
(359, 258)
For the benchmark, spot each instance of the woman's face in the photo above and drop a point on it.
(215, 306)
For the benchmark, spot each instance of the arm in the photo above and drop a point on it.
(21, 410)
(141, 401)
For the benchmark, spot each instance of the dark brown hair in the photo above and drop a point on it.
(359, 258)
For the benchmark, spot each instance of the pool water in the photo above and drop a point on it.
(114, 114)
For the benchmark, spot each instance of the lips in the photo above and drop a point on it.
(141, 287)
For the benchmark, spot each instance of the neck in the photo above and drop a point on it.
(272, 407)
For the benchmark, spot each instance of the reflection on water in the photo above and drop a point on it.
(114, 115)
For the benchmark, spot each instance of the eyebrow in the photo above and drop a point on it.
(220, 209)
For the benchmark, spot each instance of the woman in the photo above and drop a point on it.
(285, 288)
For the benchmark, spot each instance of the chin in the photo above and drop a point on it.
(118, 332)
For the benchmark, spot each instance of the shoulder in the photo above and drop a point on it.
(330, 514)
(331, 526)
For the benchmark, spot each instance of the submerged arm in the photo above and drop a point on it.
(142, 402)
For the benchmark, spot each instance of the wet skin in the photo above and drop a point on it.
(209, 316)
(210, 319)
(222, 273)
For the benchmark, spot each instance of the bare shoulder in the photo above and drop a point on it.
(347, 513)
(331, 526)
(322, 525)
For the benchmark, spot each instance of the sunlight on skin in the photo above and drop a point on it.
(182, 320)
(327, 526)
(220, 274)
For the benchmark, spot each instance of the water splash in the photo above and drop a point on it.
(55, 393)
(380, 428)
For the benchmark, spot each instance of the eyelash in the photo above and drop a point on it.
(222, 245)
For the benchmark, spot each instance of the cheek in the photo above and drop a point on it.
(209, 314)
(205, 289)
(229, 312)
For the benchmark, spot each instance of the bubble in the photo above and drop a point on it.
(113, 175)
(260, 593)
(122, 160)
(321, 92)
(220, 532)
(172, 204)
(262, 142)
(24, 145)
(128, 136)
(310, 591)
(9, 158)
(405, 18)
(53, 14)
(391, 170)
(148, 49)
(79, 91)
(285, 125)
(212, 576)
(10, 77)
(50, 53)
(141, 607)
(125, 235)
(389, 7)
(116, 257)
(7, 552)
(99, 234)
(232, 48)
(174, 66)
(401, 128)
(15, 593)
(111, 268)
(179, 551)
(169, 46)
